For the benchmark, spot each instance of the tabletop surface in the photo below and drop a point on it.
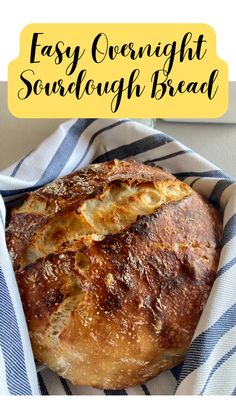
(214, 141)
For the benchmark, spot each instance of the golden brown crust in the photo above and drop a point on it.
(69, 193)
(115, 309)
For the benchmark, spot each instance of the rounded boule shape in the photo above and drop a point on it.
(114, 265)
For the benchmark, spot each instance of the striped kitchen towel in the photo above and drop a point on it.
(210, 365)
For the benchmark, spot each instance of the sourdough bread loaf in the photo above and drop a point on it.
(114, 265)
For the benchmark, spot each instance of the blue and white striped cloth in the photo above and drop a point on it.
(210, 365)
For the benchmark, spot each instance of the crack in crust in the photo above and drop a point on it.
(114, 266)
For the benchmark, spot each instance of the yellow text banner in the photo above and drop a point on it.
(133, 70)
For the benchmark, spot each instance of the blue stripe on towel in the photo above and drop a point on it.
(94, 136)
(169, 156)
(137, 147)
(59, 159)
(217, 366)
(229, 230)
(65, 386)
(64, 151)
(202, 347)
(226, 267)
(194, 181)
(19, 164)
(10, 341)
(219, 188)
(14, 192)
(42, 385)
(1, 219)
(176, 371)
(233, 392)
(208, 174)
(145, 390)
(122, 392)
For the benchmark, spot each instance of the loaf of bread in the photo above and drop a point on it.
(114, 265)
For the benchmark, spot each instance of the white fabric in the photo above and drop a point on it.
(209, 367)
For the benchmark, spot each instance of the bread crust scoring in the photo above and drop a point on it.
(114, 266)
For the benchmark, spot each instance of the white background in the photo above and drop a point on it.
(221, 16)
